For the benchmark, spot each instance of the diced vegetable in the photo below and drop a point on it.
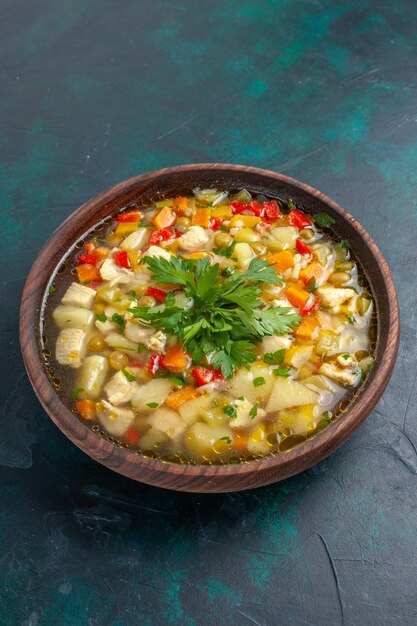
(87, 273)
(287, 393)
(153, 392)
(200, 439)
(201, 216)
(284, 237)
(87, 409)
(91, 376)
(175, 360)
(129, 216)
(298, 219)
(281, 261)
(72, 317)
(127, 227)
(307, 328)
(165, 218)
(297, 296)
(177, 398)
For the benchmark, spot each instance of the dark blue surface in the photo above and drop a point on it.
(95, 92)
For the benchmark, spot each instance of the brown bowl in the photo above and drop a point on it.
(180, 181)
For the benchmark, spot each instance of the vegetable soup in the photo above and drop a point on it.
(213, 328)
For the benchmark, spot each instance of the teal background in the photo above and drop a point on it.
(94, 92)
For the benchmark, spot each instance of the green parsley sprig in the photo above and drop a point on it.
(227, 317)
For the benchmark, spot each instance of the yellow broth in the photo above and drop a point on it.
(122, 342)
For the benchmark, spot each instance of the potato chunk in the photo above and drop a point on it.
(92, 376)
(287, 393)
(66, 316)
(154, 391)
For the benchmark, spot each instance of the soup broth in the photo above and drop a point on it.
(212, 328)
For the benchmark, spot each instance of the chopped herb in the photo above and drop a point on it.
(241, 398)
(345, 356)
(52, 289)
(145, 224)
(132, 294)
(226, 439)
(254, 411)
(227, 251)
(312, 285)
(351, 319)
(123, 348)
(77, 392)
(284, 372)
(224, 228)
(275, 358)
(257, 382)
(128, 375)
(324, 220)
(342, 245)
(141, 347)
(327, 415)
(117, 300)
(366, 371)
(101, 317)
(291, 204)
(227, 272)
(152, 405)
(180, 382)
(230, 410)
(325, 307)
(119, 320)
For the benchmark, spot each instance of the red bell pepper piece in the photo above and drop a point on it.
(131, 216)
(122, 259)
(215, 223)
(272, 210)
(311, 306)
(87, 258)
(298, 219)
(238, 207)
(206, 375)
(162, 235)
(256, 208)
(158, 294)
(132, 436)
(154, 364)
(302, 247)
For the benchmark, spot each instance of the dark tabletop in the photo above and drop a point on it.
(96, 91)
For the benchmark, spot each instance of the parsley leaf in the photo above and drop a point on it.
(324, 220)
(275, 358)
(119, 320)
(77, 392)
(312, 285)
(226, 439)
(145, 224)
(230, 410)
(351, 319)
(254, 411)
(152, 405)
(342, 245)
(101, 317)
(257, 382)
(128, 375)
(141, 347)
(284, 372)
(226, 251)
